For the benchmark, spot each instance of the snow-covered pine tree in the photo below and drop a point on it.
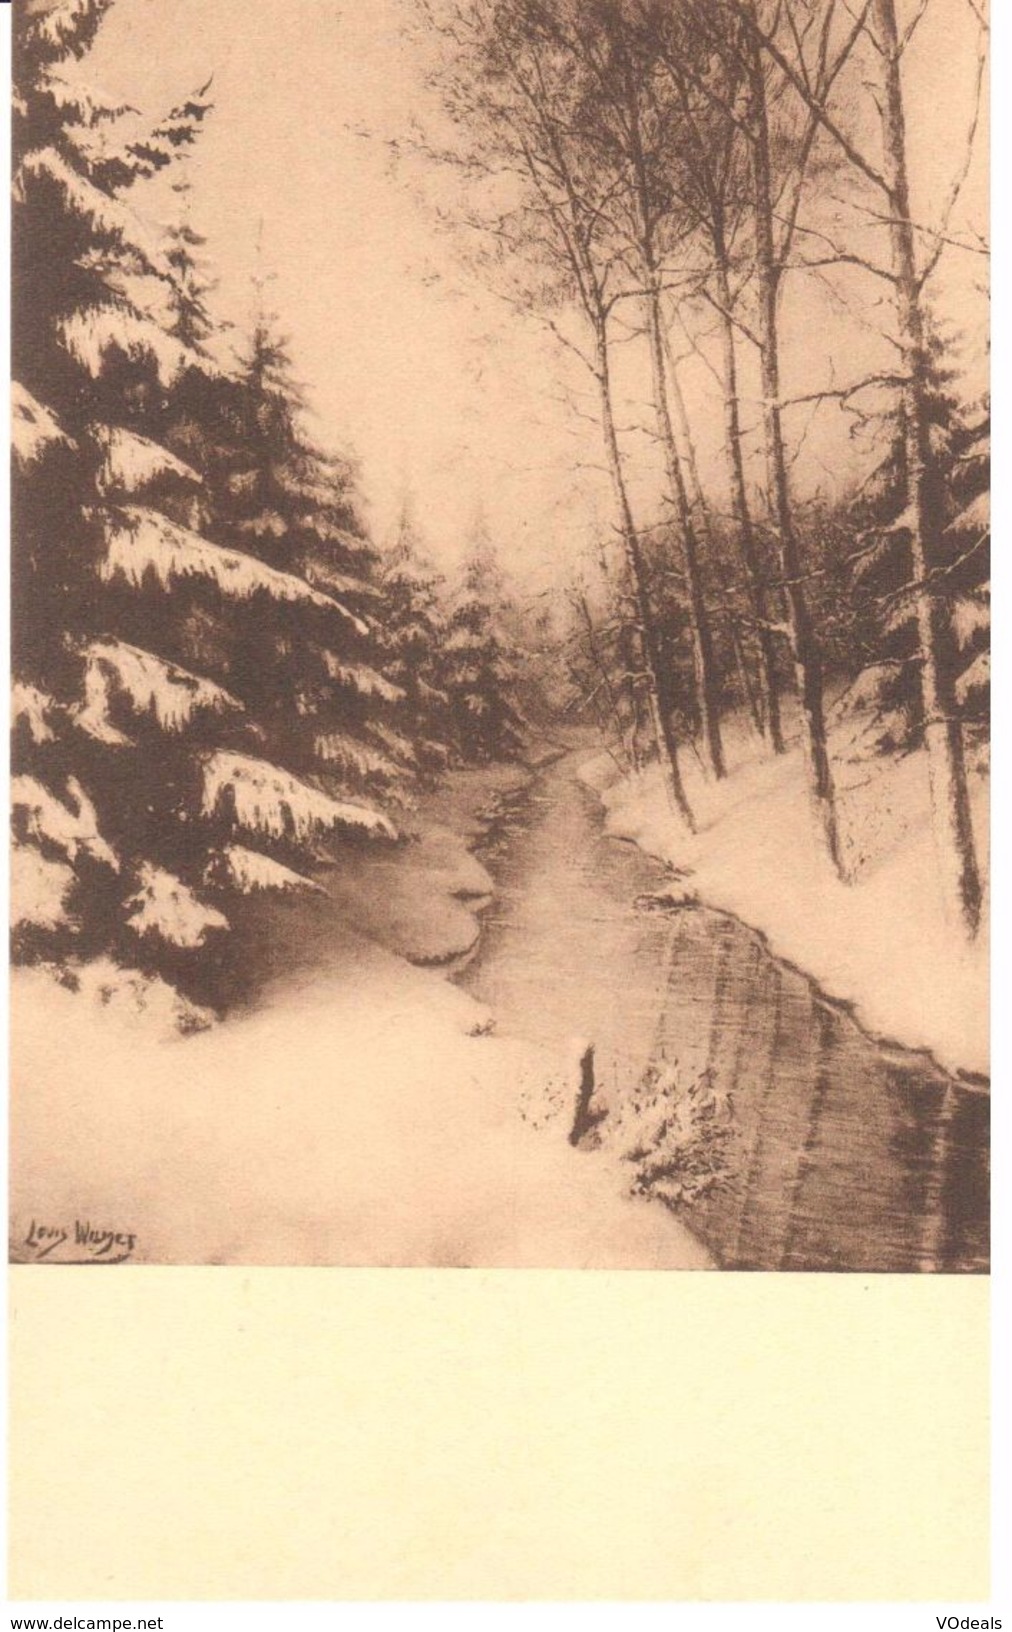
(886, 693)
(969, 531)
(480, 669)
(412, 634)
(318, 686)
(137, 787)
(191, 322)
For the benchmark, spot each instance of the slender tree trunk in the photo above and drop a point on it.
(600, 662)
(804, 649)
(632, 737)
(752, 694)
(751, 566)
(942, 727)
(703, 656)
(686, 445)
(664, 733)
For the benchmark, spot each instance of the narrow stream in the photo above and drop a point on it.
(783, 1135)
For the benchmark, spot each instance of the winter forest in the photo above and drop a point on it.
(501, 633)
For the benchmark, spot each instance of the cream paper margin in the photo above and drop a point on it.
(361, 1435)
(299, 1434)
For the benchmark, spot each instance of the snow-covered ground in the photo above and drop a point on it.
(361, 1114)
(882, 942)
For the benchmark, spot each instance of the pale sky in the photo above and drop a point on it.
(427, 377)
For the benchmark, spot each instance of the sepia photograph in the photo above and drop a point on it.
(501, 635)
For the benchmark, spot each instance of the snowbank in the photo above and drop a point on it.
(363, 1114)
(421, 900)
(421, 905)
(361, 1118)
(882, 943)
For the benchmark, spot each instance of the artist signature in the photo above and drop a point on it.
(83, 1243)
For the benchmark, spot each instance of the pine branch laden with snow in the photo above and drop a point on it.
(162, 146)
(33, 708)
(107, 217)
(339, 583)
(72, 829)
(434, 753)
(141, 542)
(132, 995)
(248, 871)
(865, 692)
(267, 524)
(67, 27)
(242, 483)
(975, 680)
(392, 740)
(876, 551)
(902, 614)
(414, 633)
(338, 750)
(263, 798)
(434, 695)
(330, 533)
(320, 493)
(974, 520)
(90, 335)
(168, 694)
(132, 463)
(33, 428)
(166, 907)
(39, 890)
(462, 638)
(92, 717)
(971, 617)
(975, 460)
(85, 104)
(465, 674)
(360, 677)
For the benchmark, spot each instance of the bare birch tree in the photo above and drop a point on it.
(779, 164)
(923, 516)
(758, 691)
(705, 159)
(625, 119)
(509, 92)
(804, 645)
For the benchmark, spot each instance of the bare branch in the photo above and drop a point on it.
(840, 255)
(845, 392)
(921, 227)
(912, 26)
(959, 179)
(818, 108)
(732, 317)
(818, 95)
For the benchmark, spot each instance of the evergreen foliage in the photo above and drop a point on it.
(316, 683)
(414, 630)
(143, 643)
(882, 587)
(481, 670)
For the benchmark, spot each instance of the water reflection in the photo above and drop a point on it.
(816, 1149)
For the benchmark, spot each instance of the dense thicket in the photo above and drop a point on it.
(637, 169)
(207, 687)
